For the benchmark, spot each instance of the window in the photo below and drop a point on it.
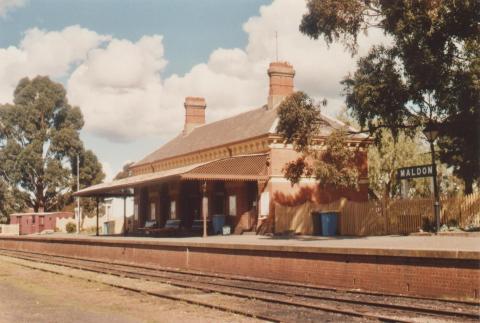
(33, 219)
(232, 205)
(173, 211)
(152, 211)
(41, 220)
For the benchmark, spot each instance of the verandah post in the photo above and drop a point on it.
(204, 208)
(125, 215)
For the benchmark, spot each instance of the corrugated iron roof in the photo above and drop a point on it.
(128, 182)
(248, 167)
(238, 168)
(57, 214)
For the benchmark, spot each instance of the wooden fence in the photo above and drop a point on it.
(399, 216)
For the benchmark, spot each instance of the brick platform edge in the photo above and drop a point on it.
(438, 274)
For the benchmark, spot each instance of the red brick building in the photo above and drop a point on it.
(30, 223)
(236, 163)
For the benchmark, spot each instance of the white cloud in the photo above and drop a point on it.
(6, 5)
(40, 52)
(120, 90)
(119, 85)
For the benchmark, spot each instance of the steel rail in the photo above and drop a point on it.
(207, 285)
(259, 280)
(206, 288)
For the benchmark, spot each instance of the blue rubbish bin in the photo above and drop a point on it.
(329, 223)
(218, 221)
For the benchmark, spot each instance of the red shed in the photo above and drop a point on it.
(37, 222)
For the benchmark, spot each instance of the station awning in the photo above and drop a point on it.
(238, 168)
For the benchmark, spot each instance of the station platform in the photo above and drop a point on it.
(443, 266)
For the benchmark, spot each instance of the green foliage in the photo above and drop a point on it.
(389, 154)
(299, 119)
(39, 140)
(430, 72)
(299, 124)
(294, 170)
(336, 165)
(339, 20)
(11, 200)
(71, 227)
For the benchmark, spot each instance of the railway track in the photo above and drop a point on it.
(275, 301)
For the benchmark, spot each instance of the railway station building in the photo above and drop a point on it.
(231, 167)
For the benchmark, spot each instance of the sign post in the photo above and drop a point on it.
(424, 171)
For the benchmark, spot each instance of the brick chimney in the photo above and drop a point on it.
(281, 82)
(194, 113)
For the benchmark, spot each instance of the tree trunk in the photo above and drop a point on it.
(39, 199)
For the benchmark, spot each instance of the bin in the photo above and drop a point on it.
(226, 230)
(329, 223)
(108, 227)
(317, 223)
(218, 221)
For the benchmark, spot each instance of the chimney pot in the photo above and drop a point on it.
(194, 113)
(281, 82)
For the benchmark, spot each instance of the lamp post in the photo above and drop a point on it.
(431, 133)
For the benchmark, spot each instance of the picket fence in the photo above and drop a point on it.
(392, 216)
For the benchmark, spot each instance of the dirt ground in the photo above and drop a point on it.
(28, 295)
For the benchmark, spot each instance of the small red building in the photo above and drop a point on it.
(30, 223)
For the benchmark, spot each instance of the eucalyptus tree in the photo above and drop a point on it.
(301, 124)
(39, 145)
(429, 73)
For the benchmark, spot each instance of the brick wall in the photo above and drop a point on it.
(435, 274)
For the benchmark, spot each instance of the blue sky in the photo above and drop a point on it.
(192, 29)
(130, 64)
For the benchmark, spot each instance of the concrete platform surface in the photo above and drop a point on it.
(416, 246)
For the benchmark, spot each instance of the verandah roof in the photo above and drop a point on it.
(238, 168)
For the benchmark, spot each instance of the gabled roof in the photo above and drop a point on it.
(247, 125)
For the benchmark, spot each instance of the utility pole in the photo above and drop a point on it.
(78, 197)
